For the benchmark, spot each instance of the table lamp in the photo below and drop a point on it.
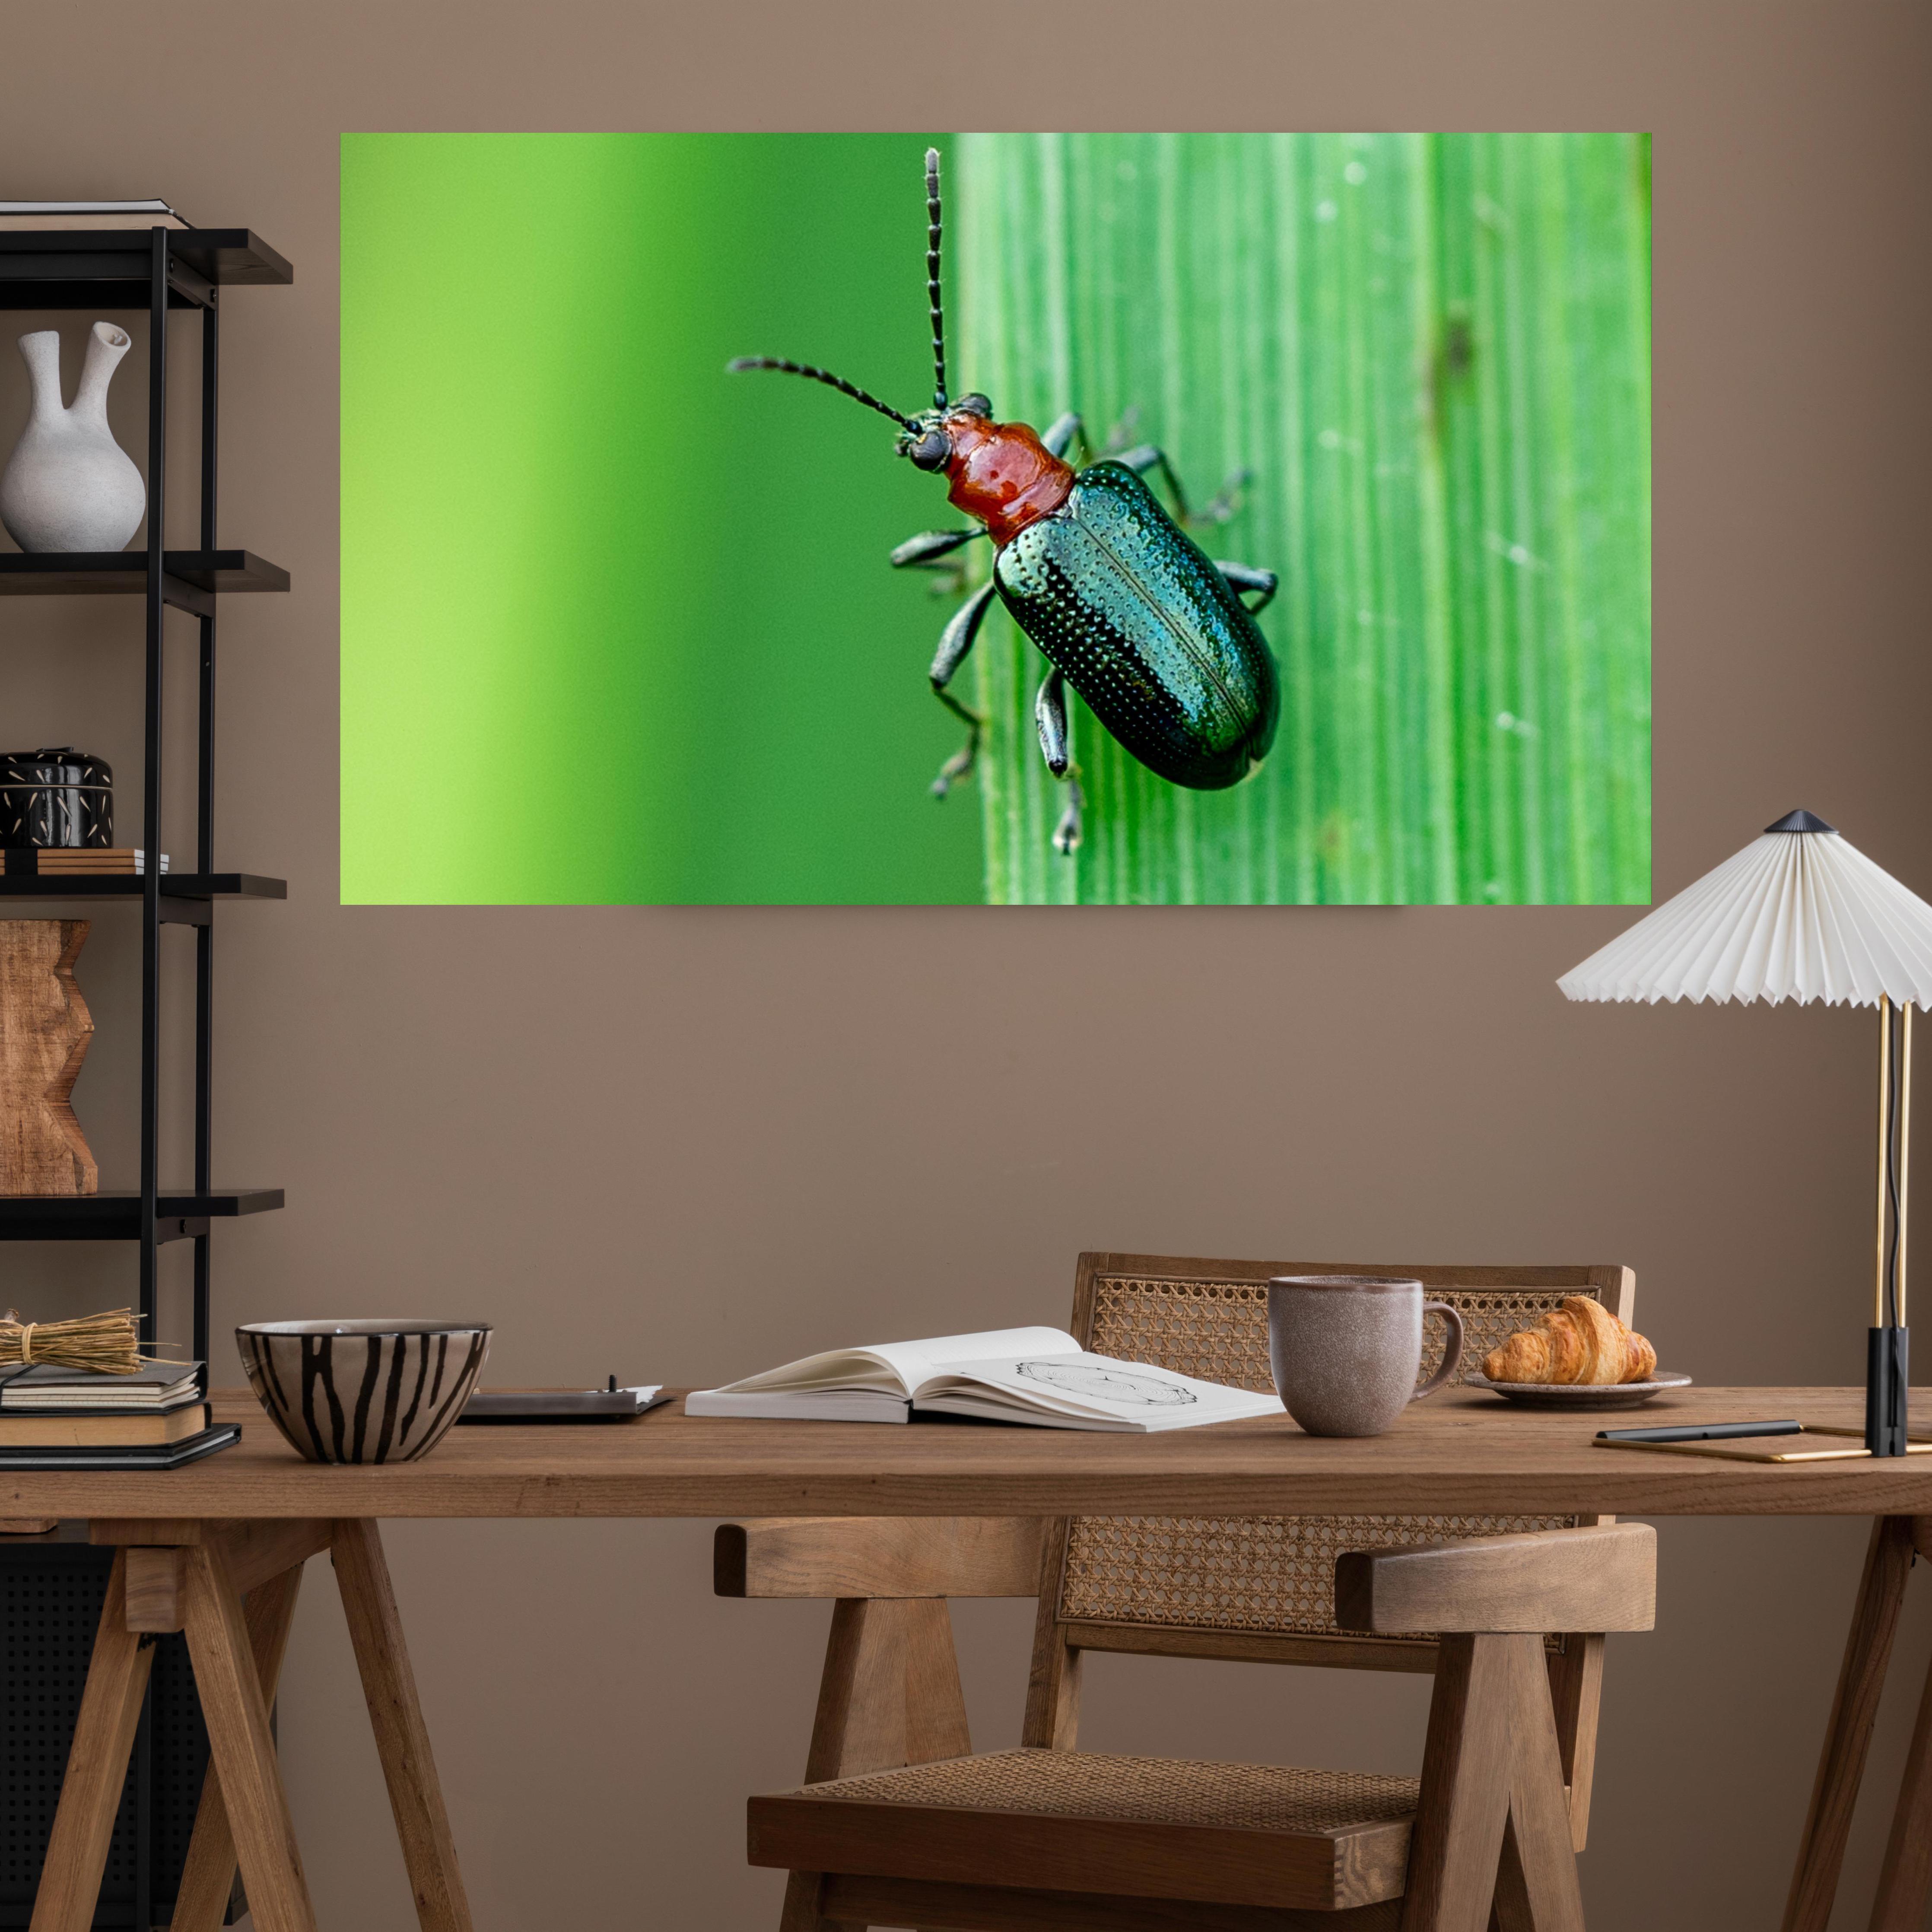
(1800, 914)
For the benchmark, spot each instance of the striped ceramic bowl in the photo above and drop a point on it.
(371, 1391)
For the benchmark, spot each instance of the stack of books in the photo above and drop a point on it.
(54, 1418)
(49, 861)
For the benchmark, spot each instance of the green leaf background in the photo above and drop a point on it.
(1431, 353)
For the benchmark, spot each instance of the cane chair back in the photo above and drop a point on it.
(1260, 1588)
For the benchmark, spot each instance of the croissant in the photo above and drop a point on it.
(1581, 1342)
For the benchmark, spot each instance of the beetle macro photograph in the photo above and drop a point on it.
(1013, 519)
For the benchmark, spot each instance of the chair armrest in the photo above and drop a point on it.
(1602, 1578)
(878, 1556)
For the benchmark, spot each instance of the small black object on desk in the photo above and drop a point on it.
(605, 1405)
(1699, 1432)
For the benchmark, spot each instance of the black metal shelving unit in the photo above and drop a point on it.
(161, 270)
(164, 271)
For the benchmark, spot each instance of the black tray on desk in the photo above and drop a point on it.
(532, 1406)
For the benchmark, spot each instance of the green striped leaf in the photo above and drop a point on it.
(1430, 353)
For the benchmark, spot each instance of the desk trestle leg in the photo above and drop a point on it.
(208, 1877)
(242, 1753)
(1905, 1883)
(1861, 1684)
(96, 1766)
(190, 1575)
(402, 1740)
(1828, 1824)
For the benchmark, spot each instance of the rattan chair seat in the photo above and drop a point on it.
(1146, 1790)
(1241, 1834)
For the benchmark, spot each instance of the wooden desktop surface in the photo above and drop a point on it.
(1460, 1450)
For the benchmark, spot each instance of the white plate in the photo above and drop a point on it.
(1579, 1395)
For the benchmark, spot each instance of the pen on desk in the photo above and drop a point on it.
(1699, 1432)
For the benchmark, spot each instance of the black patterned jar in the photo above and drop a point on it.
(56, 797)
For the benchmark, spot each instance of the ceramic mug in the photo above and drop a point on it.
(1346, 1349)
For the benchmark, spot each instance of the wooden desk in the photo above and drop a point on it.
(1460, 1451)
(194, 1543)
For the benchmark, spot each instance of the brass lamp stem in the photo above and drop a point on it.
(1884, 1155)
(1904, 1151)
(1888, 1373)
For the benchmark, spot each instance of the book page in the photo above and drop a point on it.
(898, 1368)
(942, 1359)
(1098, 1386)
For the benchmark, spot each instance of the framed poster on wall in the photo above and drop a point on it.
(619, 625)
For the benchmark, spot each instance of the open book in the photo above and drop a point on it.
(1037, 1375)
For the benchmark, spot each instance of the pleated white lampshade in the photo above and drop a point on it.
(1799, 914)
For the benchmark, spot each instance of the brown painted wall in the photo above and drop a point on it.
(682, 1143)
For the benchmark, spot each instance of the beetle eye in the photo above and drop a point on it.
(932, 451)
(974, 405)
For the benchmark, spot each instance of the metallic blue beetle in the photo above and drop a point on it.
(1127, 608)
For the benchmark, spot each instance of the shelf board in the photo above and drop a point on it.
(128, 886)
(116, 1215)
(124, 573)
(108, 268)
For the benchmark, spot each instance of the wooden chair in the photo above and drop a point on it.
(899, 1824)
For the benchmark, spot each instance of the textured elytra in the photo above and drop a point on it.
(1146, 1790)
(1268, 1575)
(1146, 629)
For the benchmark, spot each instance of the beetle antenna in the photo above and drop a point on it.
(742, 363)
(932, 295)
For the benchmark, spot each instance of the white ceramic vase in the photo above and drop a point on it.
(69, 485)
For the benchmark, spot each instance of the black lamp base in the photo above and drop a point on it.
(1886, 1353)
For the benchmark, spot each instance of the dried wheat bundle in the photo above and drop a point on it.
(104, 1343)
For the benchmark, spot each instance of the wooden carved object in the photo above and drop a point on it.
(44, 1031)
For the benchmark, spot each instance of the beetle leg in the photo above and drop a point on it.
(1063, 432)
(1066, 833)
(1226, 502)
(960, 765)
(1219, 508)
(959, 636)
(1246, 576)
(1049, 717)
(1146, 456)
(954, 641)
(926, 551)
(923, 551)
